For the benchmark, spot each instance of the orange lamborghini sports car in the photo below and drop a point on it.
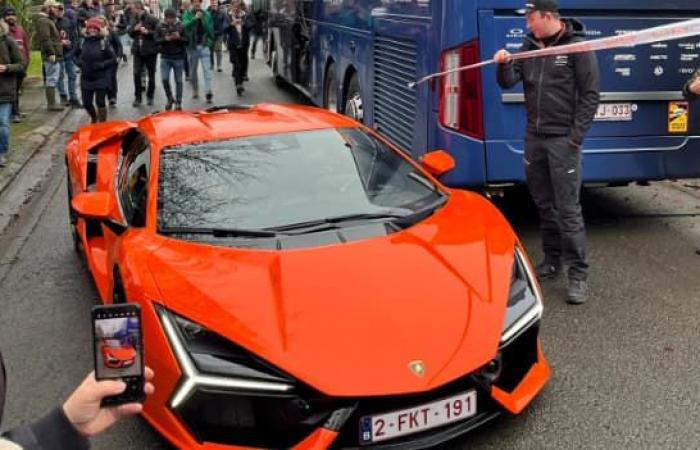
(304, 284)
(117, 356)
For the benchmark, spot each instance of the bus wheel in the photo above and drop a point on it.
(275, 69)
(330, 91)
(353, 105)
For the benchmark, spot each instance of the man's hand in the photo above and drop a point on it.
(502, 57)
(83, 406)
(52, 59)
(695, 86)
(3, 68)
(198, 14)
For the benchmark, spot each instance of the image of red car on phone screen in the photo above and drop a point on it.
(117, 347)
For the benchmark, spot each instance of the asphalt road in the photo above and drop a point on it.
(624, 365)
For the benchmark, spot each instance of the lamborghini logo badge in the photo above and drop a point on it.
(417, 368)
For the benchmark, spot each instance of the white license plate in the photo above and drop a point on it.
(612, 112)
(419, 418)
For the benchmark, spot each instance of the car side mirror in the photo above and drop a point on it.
(94, 205)
(437, 162)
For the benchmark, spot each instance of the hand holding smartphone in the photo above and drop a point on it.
(118, 350)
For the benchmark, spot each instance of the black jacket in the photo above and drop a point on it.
(95, 59)
(12, 58)
(52, 431)
(68, 28)
(144, 45)
(220, 20)
(115, 43)
(234, 39)
(173, 49)
(561, 92)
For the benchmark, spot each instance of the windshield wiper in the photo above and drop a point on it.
(330, 222)
(219, 232)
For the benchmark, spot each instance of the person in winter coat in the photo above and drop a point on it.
(96, 59)
(115, 44)
(238, 38)
(17, 33)
(49, 42)
(144, 48)
(70, 426)
(561, 99)
(259, 31)
(11, 63)
(70, 37)
(199, 29)
(173, 52)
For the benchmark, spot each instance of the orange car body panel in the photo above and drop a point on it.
(345, 319)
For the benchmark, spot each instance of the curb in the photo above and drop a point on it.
(35, 141)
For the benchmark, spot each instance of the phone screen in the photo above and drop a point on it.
(119, 349)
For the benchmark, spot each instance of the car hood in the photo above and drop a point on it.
(121, 353)
(349, 319)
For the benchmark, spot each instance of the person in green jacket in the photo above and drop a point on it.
(199, 30)
(49, 42)
(11, 64)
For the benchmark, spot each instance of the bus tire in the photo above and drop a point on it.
(279, 81)
(330, 90)
(353, 102)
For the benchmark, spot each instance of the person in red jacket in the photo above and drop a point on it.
(17, 33)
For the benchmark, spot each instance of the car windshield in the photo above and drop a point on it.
(273, 181)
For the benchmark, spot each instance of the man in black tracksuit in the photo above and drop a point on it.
(561, 98)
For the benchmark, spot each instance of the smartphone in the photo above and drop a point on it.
(118, 350)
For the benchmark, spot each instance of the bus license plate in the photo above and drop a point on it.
(420, 418)
(613, 112)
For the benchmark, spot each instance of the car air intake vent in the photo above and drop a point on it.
(394, 102)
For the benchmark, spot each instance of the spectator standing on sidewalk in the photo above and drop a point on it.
(220, 20)
(95, 58)
(49, 42)
(238, 41)
(145, 52)
(11, 63)
(115, 44)
(173, 52)
(70, 37)
(199, 29)
(17, 33)
(259, 31)
(561, 99)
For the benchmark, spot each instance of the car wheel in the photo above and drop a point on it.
(353, 104)
(330, 91)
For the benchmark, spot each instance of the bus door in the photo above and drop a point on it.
(643, 129)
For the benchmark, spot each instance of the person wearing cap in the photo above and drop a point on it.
(145, 51)
(17, 33)
(11, 64)
(96, 59)
(561, 99)
(49, 42)
(173, 52)
(70, 37)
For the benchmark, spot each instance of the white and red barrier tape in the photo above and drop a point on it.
(661, 33)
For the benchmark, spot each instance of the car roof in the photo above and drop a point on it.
(181, 127)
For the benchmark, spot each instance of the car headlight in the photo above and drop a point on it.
(208, 360)
(524, 301)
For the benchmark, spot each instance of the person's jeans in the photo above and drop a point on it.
(178, 67)
(67, 69)
(5, 113)
(52, 72)
(198, 54)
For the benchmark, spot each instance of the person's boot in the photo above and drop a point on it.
(75, 104)
(101, 114)
(64, 100)
(93, 116)
(548, 269)
(169, 104)
(209, 97)
(577, 292)
(137, 102)
(178, 106)
(239, 89)
(51, 104)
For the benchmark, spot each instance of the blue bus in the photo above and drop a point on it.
(357, 56)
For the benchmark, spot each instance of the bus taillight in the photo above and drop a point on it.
(461, 107)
